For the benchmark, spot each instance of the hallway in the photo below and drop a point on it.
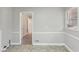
(27, 39)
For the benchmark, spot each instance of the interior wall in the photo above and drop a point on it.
(0, 40)
(72, 37)
(0, 30)
(72, 40)
(45, 21)
(5, 25)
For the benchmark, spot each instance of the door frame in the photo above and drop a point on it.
(20, 36)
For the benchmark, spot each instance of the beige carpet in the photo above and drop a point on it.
(37, 48)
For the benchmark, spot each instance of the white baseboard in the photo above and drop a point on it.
(48, 32)
(68, 48)
(15, 43)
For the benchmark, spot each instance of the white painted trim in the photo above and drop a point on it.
(0, 40)
(27, 12)
(48, 32)
(68, 48)
(15, 43)
(20, 27)
(75, 37)
(58, 44)
(39, 32)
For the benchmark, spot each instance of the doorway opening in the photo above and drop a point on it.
(26, 28)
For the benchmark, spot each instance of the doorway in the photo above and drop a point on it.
(26, 28)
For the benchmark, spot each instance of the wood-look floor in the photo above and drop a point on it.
(27, 39)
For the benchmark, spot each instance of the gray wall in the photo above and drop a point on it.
(72, 36)
(45, 22)
(5, 25)
(72, 40)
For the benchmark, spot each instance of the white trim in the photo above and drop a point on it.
(68, 48)
(0, 40)
(26, 12)
(15, 43)
(48, 32)
(58, 44)
(20, 27)
(75, 37)
(39, 32)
